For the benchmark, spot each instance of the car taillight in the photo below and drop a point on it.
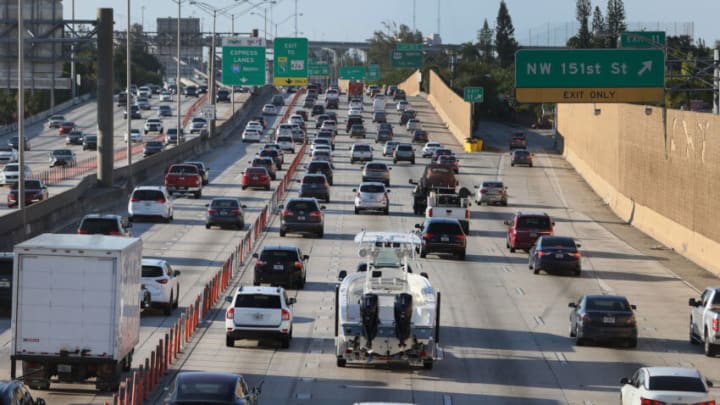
(163, 281)
(646, 401)
(285, 213)
(115, 233)
(715, 325)
(460, 236)
(285, 315)
(82, 232)
(238, 212)
(630, 320)
(160, 201)
(134, 199)
(586, 318)
(230, 313)
(259, 263)
(298, 265)
(316, 214)
(428, 235)
(541, 253)
(211, 211)
(430, 212)
(467, 214)
(576, 255)
(482, 190)
(706, 403)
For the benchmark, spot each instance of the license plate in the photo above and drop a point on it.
(558, 255)
(224, 212)
(278, 267)
(533, 234)
(608, 319)
(147, 203)
(256, 178)
(301, 218)
(64, 368)
(445, 238)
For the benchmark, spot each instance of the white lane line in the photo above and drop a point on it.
(447, 399)
(506, 269)
(561, 358)
(304, 395)
(539, 320)
(519, 291)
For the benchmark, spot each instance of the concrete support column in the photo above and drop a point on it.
(105, 97)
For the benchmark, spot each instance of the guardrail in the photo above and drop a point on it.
(136, 389)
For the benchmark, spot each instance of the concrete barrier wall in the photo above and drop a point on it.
(62, 209)
(453, 110)
(661, 178)
(411, 85)
(60, 108)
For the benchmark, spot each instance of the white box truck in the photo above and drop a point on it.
(75, 309)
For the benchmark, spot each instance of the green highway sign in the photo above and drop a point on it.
(409, 47)
(373, 72)
(352, 72)
(319, 70)
(401, 58)
(243, 65)
(290, 64)
(642, 39)
(589, 75)
(474, 94)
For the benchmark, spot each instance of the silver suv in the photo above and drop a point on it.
(491, 192)
(259, 313)
(372, 196)
(376, 171)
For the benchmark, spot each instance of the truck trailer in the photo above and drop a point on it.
(75, 309)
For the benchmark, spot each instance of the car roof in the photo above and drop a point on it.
(108, 216)
(258, 290)
(605, 297)
(532, 213)
(372, 183)
(281, 247)
(672, 371)
(159, 188)
(151, 261)
(209, 376)
(442, 219)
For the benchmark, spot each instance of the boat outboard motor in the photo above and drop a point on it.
(403, 317)
(369, 311)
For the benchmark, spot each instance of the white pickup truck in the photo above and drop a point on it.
(445, 202)
(705, 320)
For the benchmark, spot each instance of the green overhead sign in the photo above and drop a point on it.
(589, 75)
(319, 70)
(409, 47)
(290, 67)
(642, 39)
(352, 72)
(406, 58)
(373, 72)
(243, 65)
(474, 94)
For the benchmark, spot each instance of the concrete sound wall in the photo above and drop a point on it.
(455, 112)
(662, 179)
(411, 85)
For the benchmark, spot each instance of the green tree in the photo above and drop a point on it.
(615, 21)
(485, 43)
(598, 27)
(505, 42)
(583, 38)
(383, 43)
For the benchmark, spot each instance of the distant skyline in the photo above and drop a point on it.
(546, 22)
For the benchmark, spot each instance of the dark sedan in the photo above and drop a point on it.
(225, 211)
(521, 157)
(555, 254)
(35, 190)
(74, 138)
(315, 185)
(603, 318)
(275, 155)
(90, 142)
(153, 147)
(205, 387)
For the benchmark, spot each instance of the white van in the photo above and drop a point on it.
(379, 103)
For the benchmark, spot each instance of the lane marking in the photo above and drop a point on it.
(539, 320)
(561, 358)
(519, 291)
(447, 399)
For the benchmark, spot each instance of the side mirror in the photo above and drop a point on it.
(553, 222)
(342, 275)
(624, 381)
(633, 306)
(354, 190)
(692, 302)
(387, 190)
(322, 207)
(291, 300)
(229, 298)
(207, 205)
(709, 383)
(572, 305)
(244, 206)
(176, 273)
(411, 181)
(306, 257)
(476, 186)
(255, 255)
(418, 226)
(281, 206)
(424, 274)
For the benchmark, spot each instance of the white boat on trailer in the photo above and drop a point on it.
(384, 312)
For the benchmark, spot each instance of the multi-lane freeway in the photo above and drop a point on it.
(504, 334)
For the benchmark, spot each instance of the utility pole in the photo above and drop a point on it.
(296, 19)
(716, 86)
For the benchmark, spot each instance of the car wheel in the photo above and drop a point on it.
(461, 255)
(387, 211)
(357, 211)
(267, 188)
(241, 226)
(428, 364)
(423, 255)
(321, 234)
(632, 343)
(131, 218)
(168, 307)
(530, 165)
(341, 362)
(282, 233)
(691, 335)
(285, 342)
(578, 273)
(412, 162)
(207, 226)
(177, 297)
(229, 342)
(572, 332)
(512, 250)
(512, 164)
(394, 161)
(709, 347)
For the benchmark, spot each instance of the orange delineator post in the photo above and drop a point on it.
(135, 382)
(147, 384)
(153, 369)
(126, 391)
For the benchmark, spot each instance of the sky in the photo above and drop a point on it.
(536, 22)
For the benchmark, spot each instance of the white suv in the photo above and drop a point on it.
(259, 313)
(150, 201)
(286, 143)
(162, 281)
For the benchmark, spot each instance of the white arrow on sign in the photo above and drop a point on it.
(647, 66)
(243, 79)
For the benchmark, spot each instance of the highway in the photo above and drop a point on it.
(504, 334)
(43, 140)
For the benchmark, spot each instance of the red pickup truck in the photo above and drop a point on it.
(184, 178)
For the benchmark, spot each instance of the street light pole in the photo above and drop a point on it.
(73, 91)
(21, 112)
(128, 80)
(177, 81)
(212, 76)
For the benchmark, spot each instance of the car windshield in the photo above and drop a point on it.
(404, 148)
(256, 170)
(313, 180)
(533, 222)
(152, 271)
(443, 228)
(155, 144)
(227, 203)
(376, 166)
(607, 304)
(184, 169)
(316, 166)
(361, 148)
(257, 301)
(148, 195)
(372, 188)
(302, 206)
(492, 184)
(278, 256)
(521, 153)
(29, 184)
(676, 383)
(557, 242)
(99, 225)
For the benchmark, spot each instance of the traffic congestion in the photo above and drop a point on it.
(542, 300)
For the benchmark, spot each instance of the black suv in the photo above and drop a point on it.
(222, 96)
(302, 215)
(406, 115)
(107, 224)
(317, 110)
(315, 185)
(321, 166)
(281, 265)
(442, 235)
(6, 280)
